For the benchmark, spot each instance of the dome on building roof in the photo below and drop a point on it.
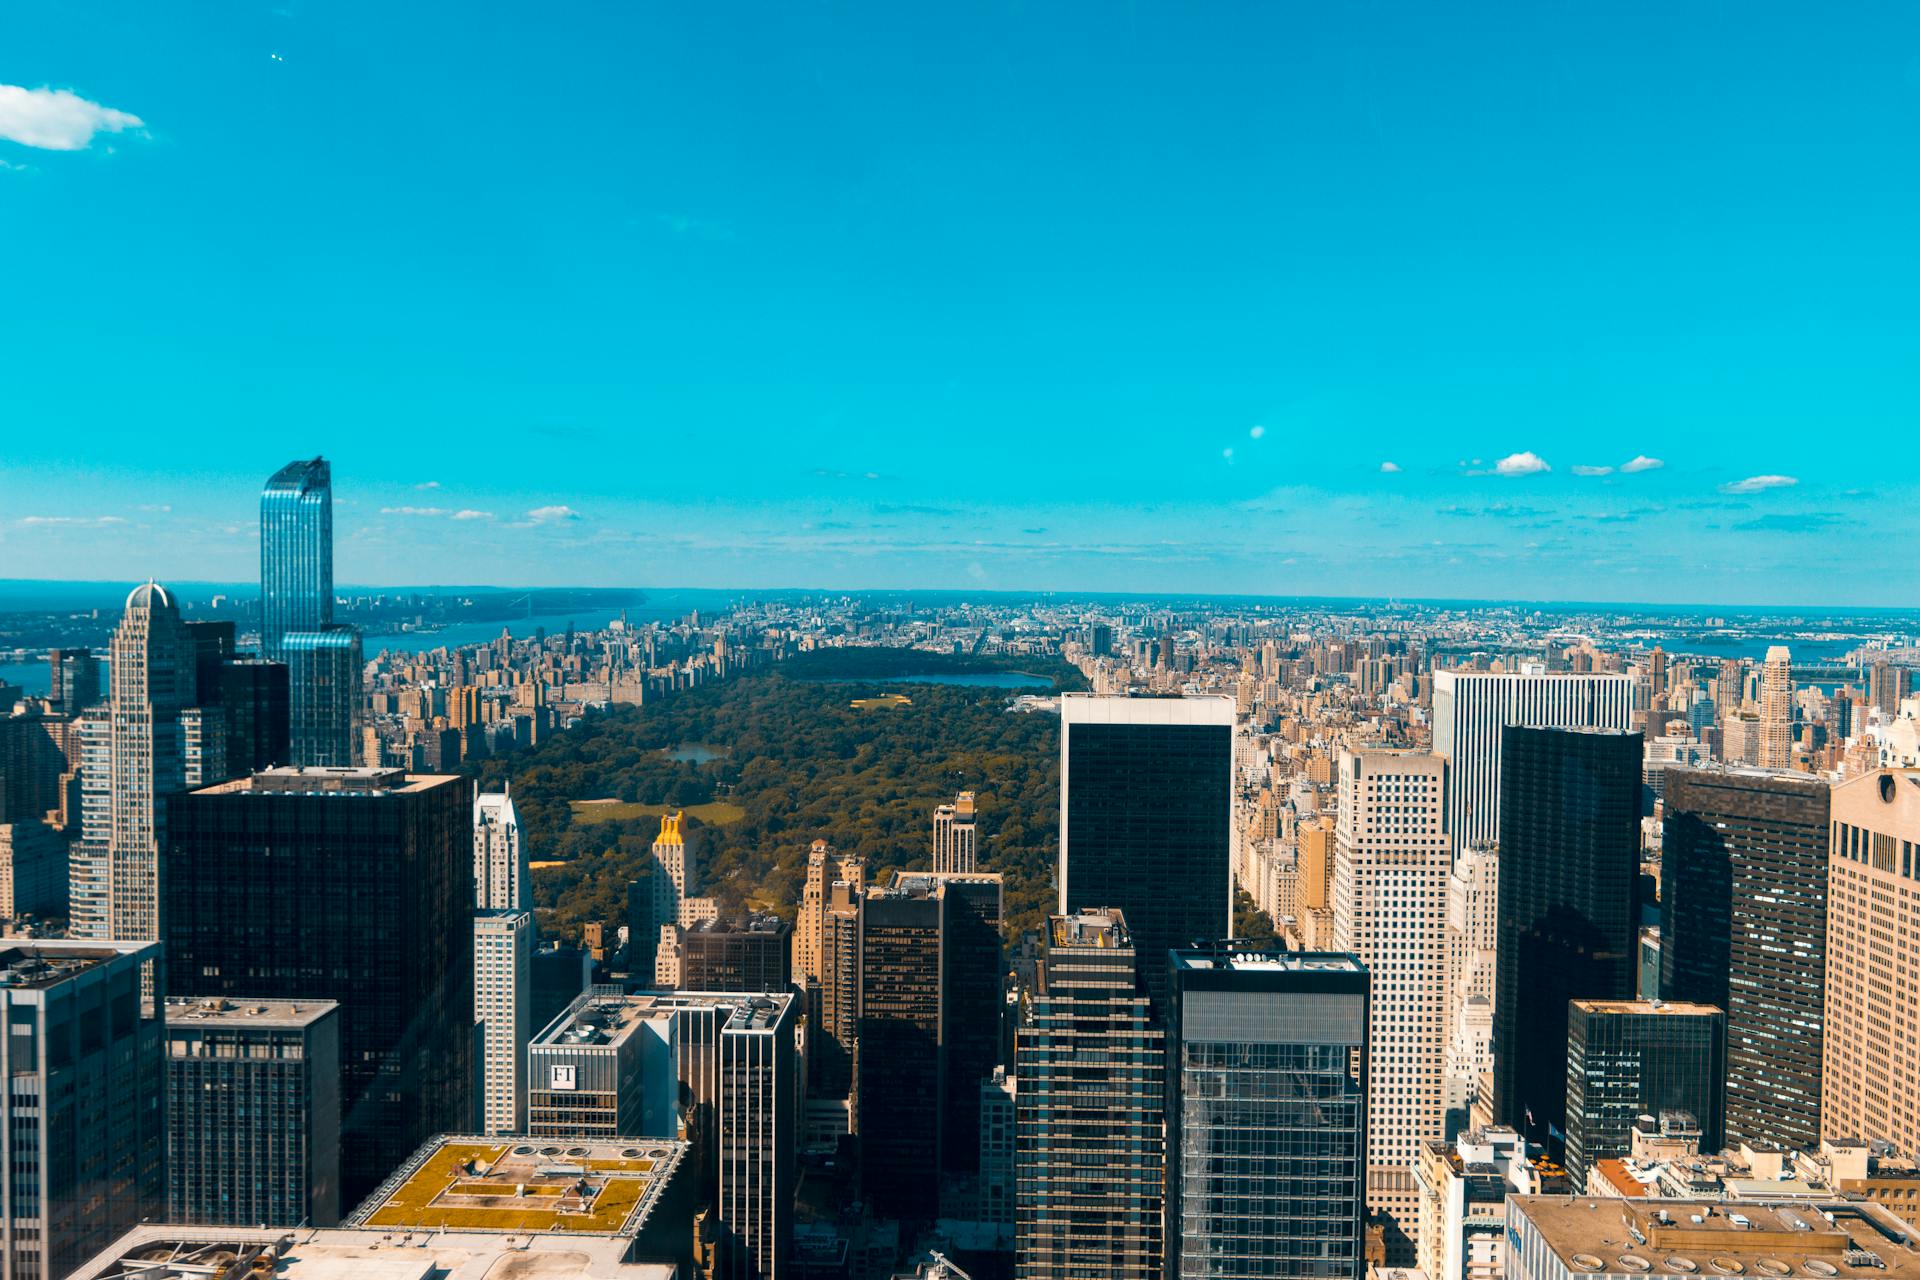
(149, 596)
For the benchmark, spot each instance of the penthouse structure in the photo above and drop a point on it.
(1471, 709)
(955, 836)
(253, 1112)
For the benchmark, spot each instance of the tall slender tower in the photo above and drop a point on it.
(117, 884)
(1776, 710)
(500, 874)
(296, 554)
(1390, 912)
(955, 846)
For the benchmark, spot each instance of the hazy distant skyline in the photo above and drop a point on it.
(1607, 304)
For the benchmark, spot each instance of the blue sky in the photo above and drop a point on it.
(1251, 298)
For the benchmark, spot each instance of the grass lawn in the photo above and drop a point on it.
(885, 702)
(716, 813)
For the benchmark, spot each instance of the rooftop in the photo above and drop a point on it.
(462, 1183)
(1817, 1240)
(1267, 961)
(176, 1252)
(37, 963)
(1102, 930)
(1676, 1008)
(189, 1011)
(319, 780)
(606, 1014)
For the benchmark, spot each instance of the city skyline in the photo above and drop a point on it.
(1327, 321)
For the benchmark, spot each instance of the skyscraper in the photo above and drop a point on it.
(74, 680)
(1146, 819)
(1743, 896)
(1471, 708)
(85, 1134)
(758, 1089)
(253, 1112)
(1473, 940)
(1629, 1058)
(1569, 875)
(955, 836)
(118, 885)
(1390, 912)
(353, 885)
(899, 1069)
(1089, 1108)
(296, 554)
(324, 671)
(1266, 1115)
(1776, 709)
(500, 870)
(1870, 1081)
(735, 953)
(502, 1006)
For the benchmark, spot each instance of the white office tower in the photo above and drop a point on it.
(1390, 910)
(502, 997)
(1471, 708)
(501, 880)
(955, 836)
(1472, 929)
(1776, 709)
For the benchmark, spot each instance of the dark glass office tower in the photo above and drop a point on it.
(744, 953)
(73, 680)
(1744, 926)
(1266, 1115)
(898, 1066)
(1629, 1058)
(1089, 1110)
(250, 694)
(1569, 875)
(1146, 819)
(970, 1009)
(324, 671)
(296, 553)
(353, 885)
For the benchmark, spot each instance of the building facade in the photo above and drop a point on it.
(1390, 912)
(1266, 1115)
(1870, 1079)
(955, 835)
(502, 1011)
(1633, 1058)
(501, 875)
(340, 884)
(85, 1138)
(1472, 709)
(324, 696)
(1089, 1109)
(1146, 825)
(1743, 897)
(253, 1112)
(1569, 880)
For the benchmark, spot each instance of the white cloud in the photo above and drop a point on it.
(1641, 462)
(57, 119)
(90, 521)
(1257, 432)
(428, 484)
(1390, 468)
(541, 515)
(470, 514)
(1592, 471)
(1227, 453)
(1757, 484)
(1522, 464)
(413, 511)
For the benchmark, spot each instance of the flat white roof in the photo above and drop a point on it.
(1097, 708)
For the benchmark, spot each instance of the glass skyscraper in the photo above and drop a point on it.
(1146, 819)
(1568, 922)
(1633, 1058)
(296, 554)
(323, 674)
(1266, 1115)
